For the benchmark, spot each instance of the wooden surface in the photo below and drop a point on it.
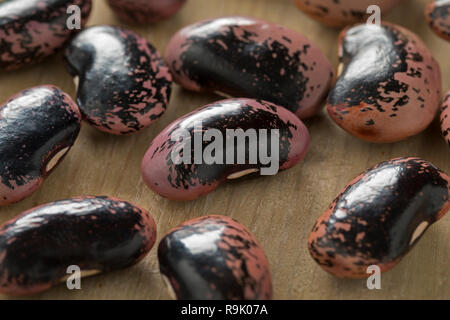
(280, 209)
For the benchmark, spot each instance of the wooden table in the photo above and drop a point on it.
(280, 209)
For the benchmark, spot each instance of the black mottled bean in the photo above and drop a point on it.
(252, 58)
(98, 234)
(183, 181)
(38, 126)
(379, 217)
(214, 258)
(31, 30)
(389, 84)
(123, 83)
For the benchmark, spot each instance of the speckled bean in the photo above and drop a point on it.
(38, 126)
(437, 14)
(248, 57)
(189, 181)
(389, 86)
(32, 30)
(123, 84)
(214, 258)
(445, 118)
(338, 13)
(98, 234)
(379, 217)
(145, 11)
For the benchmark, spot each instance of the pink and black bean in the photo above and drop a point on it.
(379, 217)
(123, 83)
(98, 234)
(145, 11)
(181, 181)
(214, 258)
(32, 30)
(37, 128)
(248, 57)
(390, 84)
(445, 118)
(437, 14)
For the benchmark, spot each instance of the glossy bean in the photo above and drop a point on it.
(97, 234)
(180, 180)
(389, 86)
(145, 11)
(123, 84)
(340, 13)
(437, 14)
(38, 126)
(214, 258)
(379, 217)
(32, 30)
(445, 118)
(247, 57)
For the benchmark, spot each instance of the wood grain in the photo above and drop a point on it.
(280, 209)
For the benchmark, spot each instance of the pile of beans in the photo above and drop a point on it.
(387, 88)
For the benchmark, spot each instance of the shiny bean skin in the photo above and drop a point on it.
(181, 181)
(97, 234)
(247, 57)
(123, 83)
(214, 258)
(389, 84)
(38, 126)
(32, 30)
(379, 217)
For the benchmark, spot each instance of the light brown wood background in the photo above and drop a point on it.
(280, 209)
